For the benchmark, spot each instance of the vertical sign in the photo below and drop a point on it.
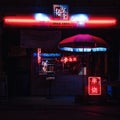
(38, 55)
(60, 12)
(94, 85)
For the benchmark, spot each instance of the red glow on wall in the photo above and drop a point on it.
(94, 85)
(31, 21)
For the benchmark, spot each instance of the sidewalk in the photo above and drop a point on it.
(56, 108)
(36, 100)
(54, 100)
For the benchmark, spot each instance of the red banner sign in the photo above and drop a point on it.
(94, 85)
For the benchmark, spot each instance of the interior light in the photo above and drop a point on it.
(41, 17)
(80, 18)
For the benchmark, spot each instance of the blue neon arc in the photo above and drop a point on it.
(97, 49)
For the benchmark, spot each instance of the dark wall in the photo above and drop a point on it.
(0, 51)
(15, 63)
(18, 76)
(62, 85)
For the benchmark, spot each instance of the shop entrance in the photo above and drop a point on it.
(55, 72)
(41, 69)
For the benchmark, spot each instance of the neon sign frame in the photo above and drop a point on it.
(94, 85)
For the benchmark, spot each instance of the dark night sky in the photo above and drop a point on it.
(71, 2)
(99, 6)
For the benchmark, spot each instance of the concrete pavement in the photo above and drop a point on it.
(56, 108)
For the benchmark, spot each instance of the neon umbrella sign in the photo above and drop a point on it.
(83, 43)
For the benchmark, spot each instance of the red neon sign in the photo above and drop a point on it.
(22, 21)
(69, 59)
(101, 22)
(94, 85)
(31, 21)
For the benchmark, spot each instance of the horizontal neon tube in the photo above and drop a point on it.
(101, 22)
(17, 21)
(20, 21)
(30, 21)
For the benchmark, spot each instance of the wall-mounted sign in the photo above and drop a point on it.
(94, 85)
(60, 12)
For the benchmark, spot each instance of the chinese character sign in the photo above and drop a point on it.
(94, 85)
(60, 12)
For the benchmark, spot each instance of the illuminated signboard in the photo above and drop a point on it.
(60, 12)
(94, 85)
(38, 56)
